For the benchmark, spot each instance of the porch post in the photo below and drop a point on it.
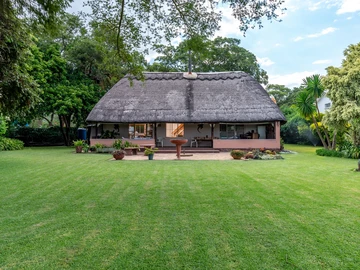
(155, 132)
(96, 130)
(212, 131)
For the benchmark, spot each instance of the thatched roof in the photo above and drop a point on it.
(169, 97)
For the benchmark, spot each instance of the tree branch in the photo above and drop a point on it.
(119, 25)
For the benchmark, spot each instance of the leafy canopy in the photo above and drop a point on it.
(221, 54)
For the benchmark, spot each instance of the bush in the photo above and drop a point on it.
(237, 154)
(329, 153)
(7, 144)
(40, 136)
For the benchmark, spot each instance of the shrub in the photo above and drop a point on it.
(7, 144)
(237, 154)
(118, 144)
(249, 155)
(329, 153)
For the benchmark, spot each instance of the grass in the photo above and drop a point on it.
(61, 210)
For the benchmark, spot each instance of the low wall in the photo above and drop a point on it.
(246, 144)
(109, 142)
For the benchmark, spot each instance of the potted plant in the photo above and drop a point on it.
(99, 147)
(150, 152)
(237, 154)
(78, 145)
(118, 144)
(118, 154)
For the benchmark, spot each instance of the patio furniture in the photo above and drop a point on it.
(160, 140)
(193, 141)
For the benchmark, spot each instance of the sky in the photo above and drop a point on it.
(311, 36)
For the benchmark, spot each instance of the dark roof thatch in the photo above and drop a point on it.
(169, 97)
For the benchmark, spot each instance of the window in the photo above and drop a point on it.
(140, 130)
(174, 130)
(327, 106)
(231, 131)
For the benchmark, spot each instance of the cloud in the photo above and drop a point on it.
(292, 79)
(265, 61)
(348, 6)
(322, 33)
(320, 62)
(228, 25)
(278, 45)
(349, 18)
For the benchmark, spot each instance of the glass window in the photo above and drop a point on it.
(174, 130)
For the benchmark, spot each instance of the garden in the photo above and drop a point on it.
(65, 210)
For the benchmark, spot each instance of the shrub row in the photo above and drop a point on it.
(40, 136)
(329, 153)
(7, 144)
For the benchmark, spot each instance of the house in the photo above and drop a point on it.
(324, 103)
(223, 110)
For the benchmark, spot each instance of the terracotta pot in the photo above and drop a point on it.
(119, 156)
(78, 149)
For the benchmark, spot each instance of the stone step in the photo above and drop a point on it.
(188, 151)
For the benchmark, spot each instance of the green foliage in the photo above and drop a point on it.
(329, 153)
(149, 151)
(279, 92)
(237, 153)
(99, 146)
(118, 144)
(132, 25)
(349, 150)
(296, 130)
(78, 143)
(3, 125)
(221, 54)
(40, 136)
(18, 90)
(7, 144)
(343, 86)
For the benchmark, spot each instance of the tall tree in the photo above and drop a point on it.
(134, 24)
(280, 92)
(18, 91)
(343, 86)
(221, 54)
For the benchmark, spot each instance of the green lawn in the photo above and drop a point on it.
(62, 210)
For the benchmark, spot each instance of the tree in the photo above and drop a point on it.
(306, 103)
(18, 91)
(221, 54)
(134, 24)
(343, 86)
(280, 92)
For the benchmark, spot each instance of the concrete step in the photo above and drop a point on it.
(189, 151)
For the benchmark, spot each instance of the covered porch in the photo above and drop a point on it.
(222, 136)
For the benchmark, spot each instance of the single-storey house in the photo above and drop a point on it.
(222, 110)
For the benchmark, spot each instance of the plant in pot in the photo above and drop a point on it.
(78, 145)
(99, 147)
(118, 144)
(150, 152)
(86, 147)
(237, 154)
(118, 154)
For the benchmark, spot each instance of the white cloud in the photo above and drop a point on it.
(349, 18)
(151, 56)
(322, 33)
(228, 25)
(278, 45)
(348, 6)
(265, 61)
(320, 62)
(292, 79)
(298, 38)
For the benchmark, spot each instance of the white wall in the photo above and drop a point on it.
(321, 103)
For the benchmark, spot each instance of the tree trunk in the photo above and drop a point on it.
(333, 146)
(65, 128)
(319, 133)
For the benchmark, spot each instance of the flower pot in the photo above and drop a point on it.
(150, 156)
(78, 149)
(119, 156)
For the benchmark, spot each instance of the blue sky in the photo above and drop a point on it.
(312, 36)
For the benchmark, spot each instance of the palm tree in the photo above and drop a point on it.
(314, 88)
(305, 104)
